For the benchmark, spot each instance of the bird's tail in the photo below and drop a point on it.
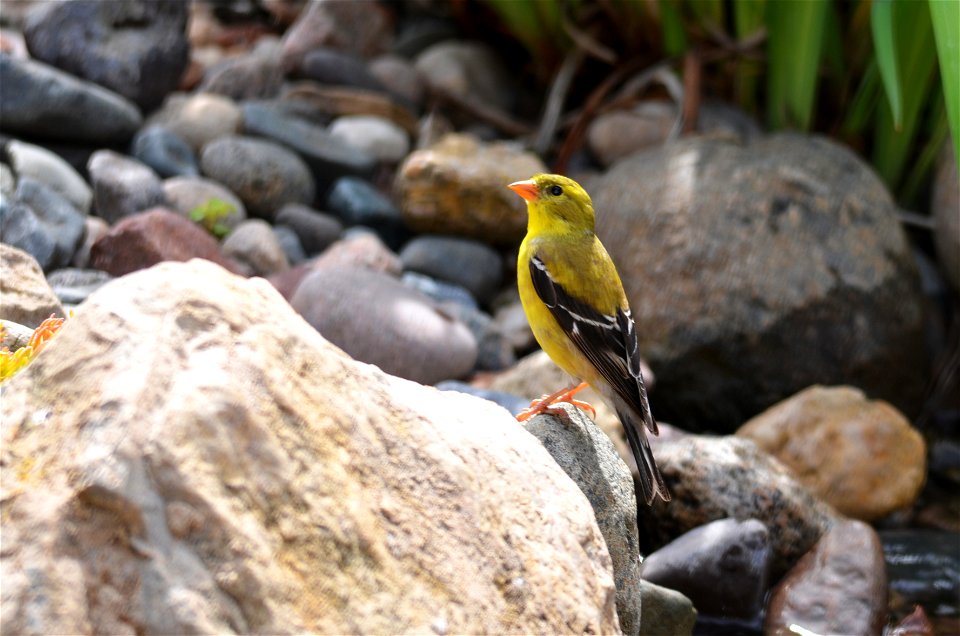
(651, 482)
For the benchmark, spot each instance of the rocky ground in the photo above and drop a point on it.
(277, 231)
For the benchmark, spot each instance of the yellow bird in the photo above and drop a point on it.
(579, 313)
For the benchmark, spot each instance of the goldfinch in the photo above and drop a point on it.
(579, 314)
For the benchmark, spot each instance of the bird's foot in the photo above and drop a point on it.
(546, 403)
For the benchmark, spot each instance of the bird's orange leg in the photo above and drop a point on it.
(546, 403)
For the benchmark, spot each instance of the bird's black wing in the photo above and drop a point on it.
(608, 341)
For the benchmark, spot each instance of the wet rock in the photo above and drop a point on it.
(39, 164)
(27, 297)
(265, 175)
(254, 244)
(43, 102)
(249, 489)
(469, 70)
(289, 243)
(316, 230)
(72, 285)
(151, 237)
(788, 244)
(923, 568)
(20, 228)
(458, 186)
(356, 202)
(470, 264)
(719, 477)
(376, 137)
(328, 157)
(839, 587)
(860, 456)
(722, 567)
(137, 48)
(358, 28)
(199, 118)
(440, 291)
(376, 319)
(665, 611)
(122, 186)
(186, 194)
(329, 66)
(943, 207)
(588, 457)
(166, 153)
(38, 210)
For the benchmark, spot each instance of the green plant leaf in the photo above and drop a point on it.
(671, 24)
(748, 17)
(861, 111)
(523, 20)
(916, 64)
(945, 15)
(885, 48)
(919, 171)
(794, 49)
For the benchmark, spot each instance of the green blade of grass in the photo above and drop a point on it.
(916, 60)
(860, 113)
(671, 24)
(885, 47)
(522, 19)
(748, 19)
(945, 15)
(794, 50)
(748, 16)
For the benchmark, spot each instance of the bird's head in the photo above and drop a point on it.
(556, 202)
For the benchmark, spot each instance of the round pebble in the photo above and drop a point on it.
(265, 175)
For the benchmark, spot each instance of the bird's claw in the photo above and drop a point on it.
(547, 401)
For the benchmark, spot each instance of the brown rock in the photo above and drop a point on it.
(27, 298)
(150, 237)
(839, 587)
(738, 258)
(213, 465)
(860, 456)
(458, 186)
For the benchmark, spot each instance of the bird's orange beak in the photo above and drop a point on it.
(527, 189)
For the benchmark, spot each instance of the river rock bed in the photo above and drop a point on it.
(273, 232)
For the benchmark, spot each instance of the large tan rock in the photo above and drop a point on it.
(859, 455)
(189, 456)
(459, 186)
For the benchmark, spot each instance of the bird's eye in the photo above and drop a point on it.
(555, 190)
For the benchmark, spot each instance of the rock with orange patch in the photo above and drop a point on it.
(861, 456)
